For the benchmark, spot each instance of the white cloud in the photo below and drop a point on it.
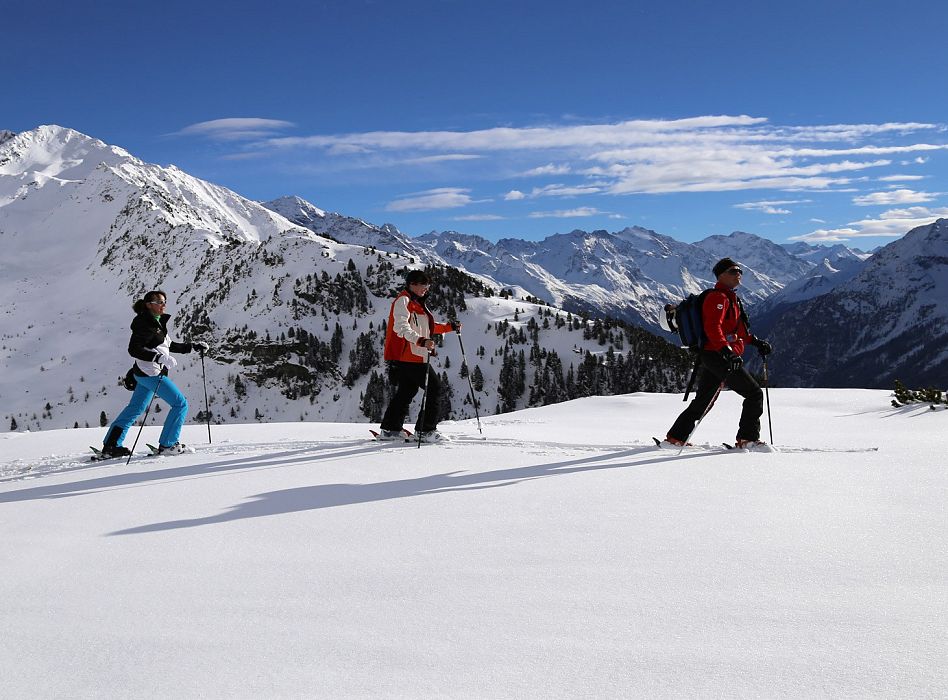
(579, 212)
(440, 198)
(890, 197)
(771, 207)
(480, 217)
(561, 190)
(712, 153)
(900, 178)
(549, 169)
(890, 224)
(235, 128)
(447, 157)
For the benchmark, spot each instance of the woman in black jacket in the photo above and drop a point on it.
(151, 347)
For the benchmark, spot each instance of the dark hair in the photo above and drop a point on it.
(139, 305)
(417, 277)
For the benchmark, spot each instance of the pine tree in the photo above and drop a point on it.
(103, 420)
(13, 425)
(477, 378)
(444, 400)
(374, 398)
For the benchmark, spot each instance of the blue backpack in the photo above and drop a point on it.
(684, 318)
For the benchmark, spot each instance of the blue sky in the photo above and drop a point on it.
(824, 121)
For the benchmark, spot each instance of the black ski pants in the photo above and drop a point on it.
(712, 370)
(408, 378)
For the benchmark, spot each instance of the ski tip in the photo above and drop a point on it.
(658, 443)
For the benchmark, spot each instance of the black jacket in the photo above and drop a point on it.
(148, 333)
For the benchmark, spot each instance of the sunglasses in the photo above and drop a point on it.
(735, 271)
(156, 302)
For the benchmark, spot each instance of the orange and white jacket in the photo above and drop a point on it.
(409, 325)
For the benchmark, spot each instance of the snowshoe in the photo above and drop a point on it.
(109, 452)
(752, 446)
(169, 450)
(391, 435)
(671, 443)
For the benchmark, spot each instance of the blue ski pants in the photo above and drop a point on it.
(168, 393)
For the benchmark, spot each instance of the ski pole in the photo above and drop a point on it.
(150, 401)
(424, 398)
(770, 422)
(706, 412)
(470, 383)
(207, 410)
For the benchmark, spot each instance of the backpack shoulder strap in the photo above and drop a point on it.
(743, 314)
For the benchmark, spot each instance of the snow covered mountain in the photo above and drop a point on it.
(890, 321)
(294, 319)
(833, 253)
(763, 257)
(628, 274)
(344, 229)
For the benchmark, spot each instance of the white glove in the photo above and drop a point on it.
(166, 361)
(200, 346)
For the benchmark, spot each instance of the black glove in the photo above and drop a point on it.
(763, 347)
(734, 362)
(455, 326)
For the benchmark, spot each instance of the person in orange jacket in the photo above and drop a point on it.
(725, 325)
(408, 345)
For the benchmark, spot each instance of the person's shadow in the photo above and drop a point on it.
(307, 452)
(333, 495)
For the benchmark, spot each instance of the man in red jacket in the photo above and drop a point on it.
(725, 325)
(408, 344)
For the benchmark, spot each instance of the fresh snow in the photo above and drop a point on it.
(562, 556)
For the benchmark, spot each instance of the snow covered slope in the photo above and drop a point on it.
(562, 557)
(294, 319)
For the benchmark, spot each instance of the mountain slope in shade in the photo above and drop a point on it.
(820, 280)
(888, 322)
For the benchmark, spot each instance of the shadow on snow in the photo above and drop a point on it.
(334, 495)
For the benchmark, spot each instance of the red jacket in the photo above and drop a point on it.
(409, 325)
(721, 315)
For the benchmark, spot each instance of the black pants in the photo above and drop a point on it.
(711, 372)
(409, 377)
